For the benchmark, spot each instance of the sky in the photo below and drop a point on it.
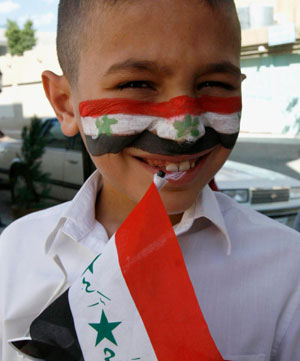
(43, 13)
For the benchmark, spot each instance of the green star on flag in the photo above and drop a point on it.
(104, 329)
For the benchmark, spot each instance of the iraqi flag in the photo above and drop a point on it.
(182, 125)
(135, 301)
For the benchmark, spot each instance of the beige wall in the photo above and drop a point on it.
(22, 95)
(291, 8)
(285, 11)
(28, 68)
(249, 2)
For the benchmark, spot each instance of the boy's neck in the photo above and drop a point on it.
(111, 210)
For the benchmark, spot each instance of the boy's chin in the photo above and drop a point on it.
(176, 204)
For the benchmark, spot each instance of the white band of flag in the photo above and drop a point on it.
(102, 297)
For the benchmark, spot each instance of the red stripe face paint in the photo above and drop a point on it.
(183, 125)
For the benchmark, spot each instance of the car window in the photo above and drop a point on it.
(54, 136)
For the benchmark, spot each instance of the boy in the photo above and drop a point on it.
(157, 55)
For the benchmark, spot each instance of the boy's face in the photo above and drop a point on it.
(155, 50)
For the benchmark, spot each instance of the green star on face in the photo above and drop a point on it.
(188, 127)
(104, 329)
(104, 125)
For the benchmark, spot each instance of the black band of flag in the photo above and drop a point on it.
(53, 334)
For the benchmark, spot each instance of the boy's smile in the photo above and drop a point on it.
(185, 167)
(155, 50)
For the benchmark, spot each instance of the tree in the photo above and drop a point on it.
(292, 108)
(27, 35)
(13, 35)
(19, 40)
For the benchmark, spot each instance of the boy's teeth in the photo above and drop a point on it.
(172, 167)
(184, 166)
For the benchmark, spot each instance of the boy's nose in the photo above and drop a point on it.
(174, 93)
(181, 81)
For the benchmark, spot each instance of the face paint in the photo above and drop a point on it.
(183, 125)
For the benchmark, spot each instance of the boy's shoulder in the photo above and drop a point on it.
(27, 237)
(28, 277)
(248, 227)
(31, 230)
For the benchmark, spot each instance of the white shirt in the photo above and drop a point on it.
(245, 269)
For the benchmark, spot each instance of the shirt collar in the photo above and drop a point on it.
(207, 206)
(79, 217)
(80, 214)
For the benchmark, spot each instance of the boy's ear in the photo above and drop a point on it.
(58, 92)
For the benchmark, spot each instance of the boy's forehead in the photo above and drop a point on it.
(113, 23)
(163, 8)
(127, 30)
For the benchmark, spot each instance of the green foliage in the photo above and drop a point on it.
(291, 108)
(13, 35)
(30, 183)
(28, 35)
(20, 40)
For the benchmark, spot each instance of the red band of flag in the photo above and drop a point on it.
(174, 107)
(156, 276)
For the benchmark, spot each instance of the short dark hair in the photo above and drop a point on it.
(72, 32)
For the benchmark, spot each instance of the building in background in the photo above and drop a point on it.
(22, 94)
(271, 61)
(3, 48)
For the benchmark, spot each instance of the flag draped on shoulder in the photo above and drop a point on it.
(135, 301)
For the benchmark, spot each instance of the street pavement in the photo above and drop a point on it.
(278, 154)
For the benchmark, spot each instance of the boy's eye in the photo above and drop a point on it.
(215, 84)
(137, 84)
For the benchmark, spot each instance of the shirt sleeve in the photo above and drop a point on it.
(3, 242)
(289, 349)
(1, 293)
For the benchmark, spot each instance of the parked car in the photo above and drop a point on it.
(5, 138)
(4, 141)
(271, 193)
(62, 160)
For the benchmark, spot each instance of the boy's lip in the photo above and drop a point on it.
(199, 160)
(172, 158)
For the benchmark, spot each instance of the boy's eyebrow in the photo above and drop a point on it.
(223, 67)
(151, 66)
(142, 65)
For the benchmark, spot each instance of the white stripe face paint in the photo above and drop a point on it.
(188, 128)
